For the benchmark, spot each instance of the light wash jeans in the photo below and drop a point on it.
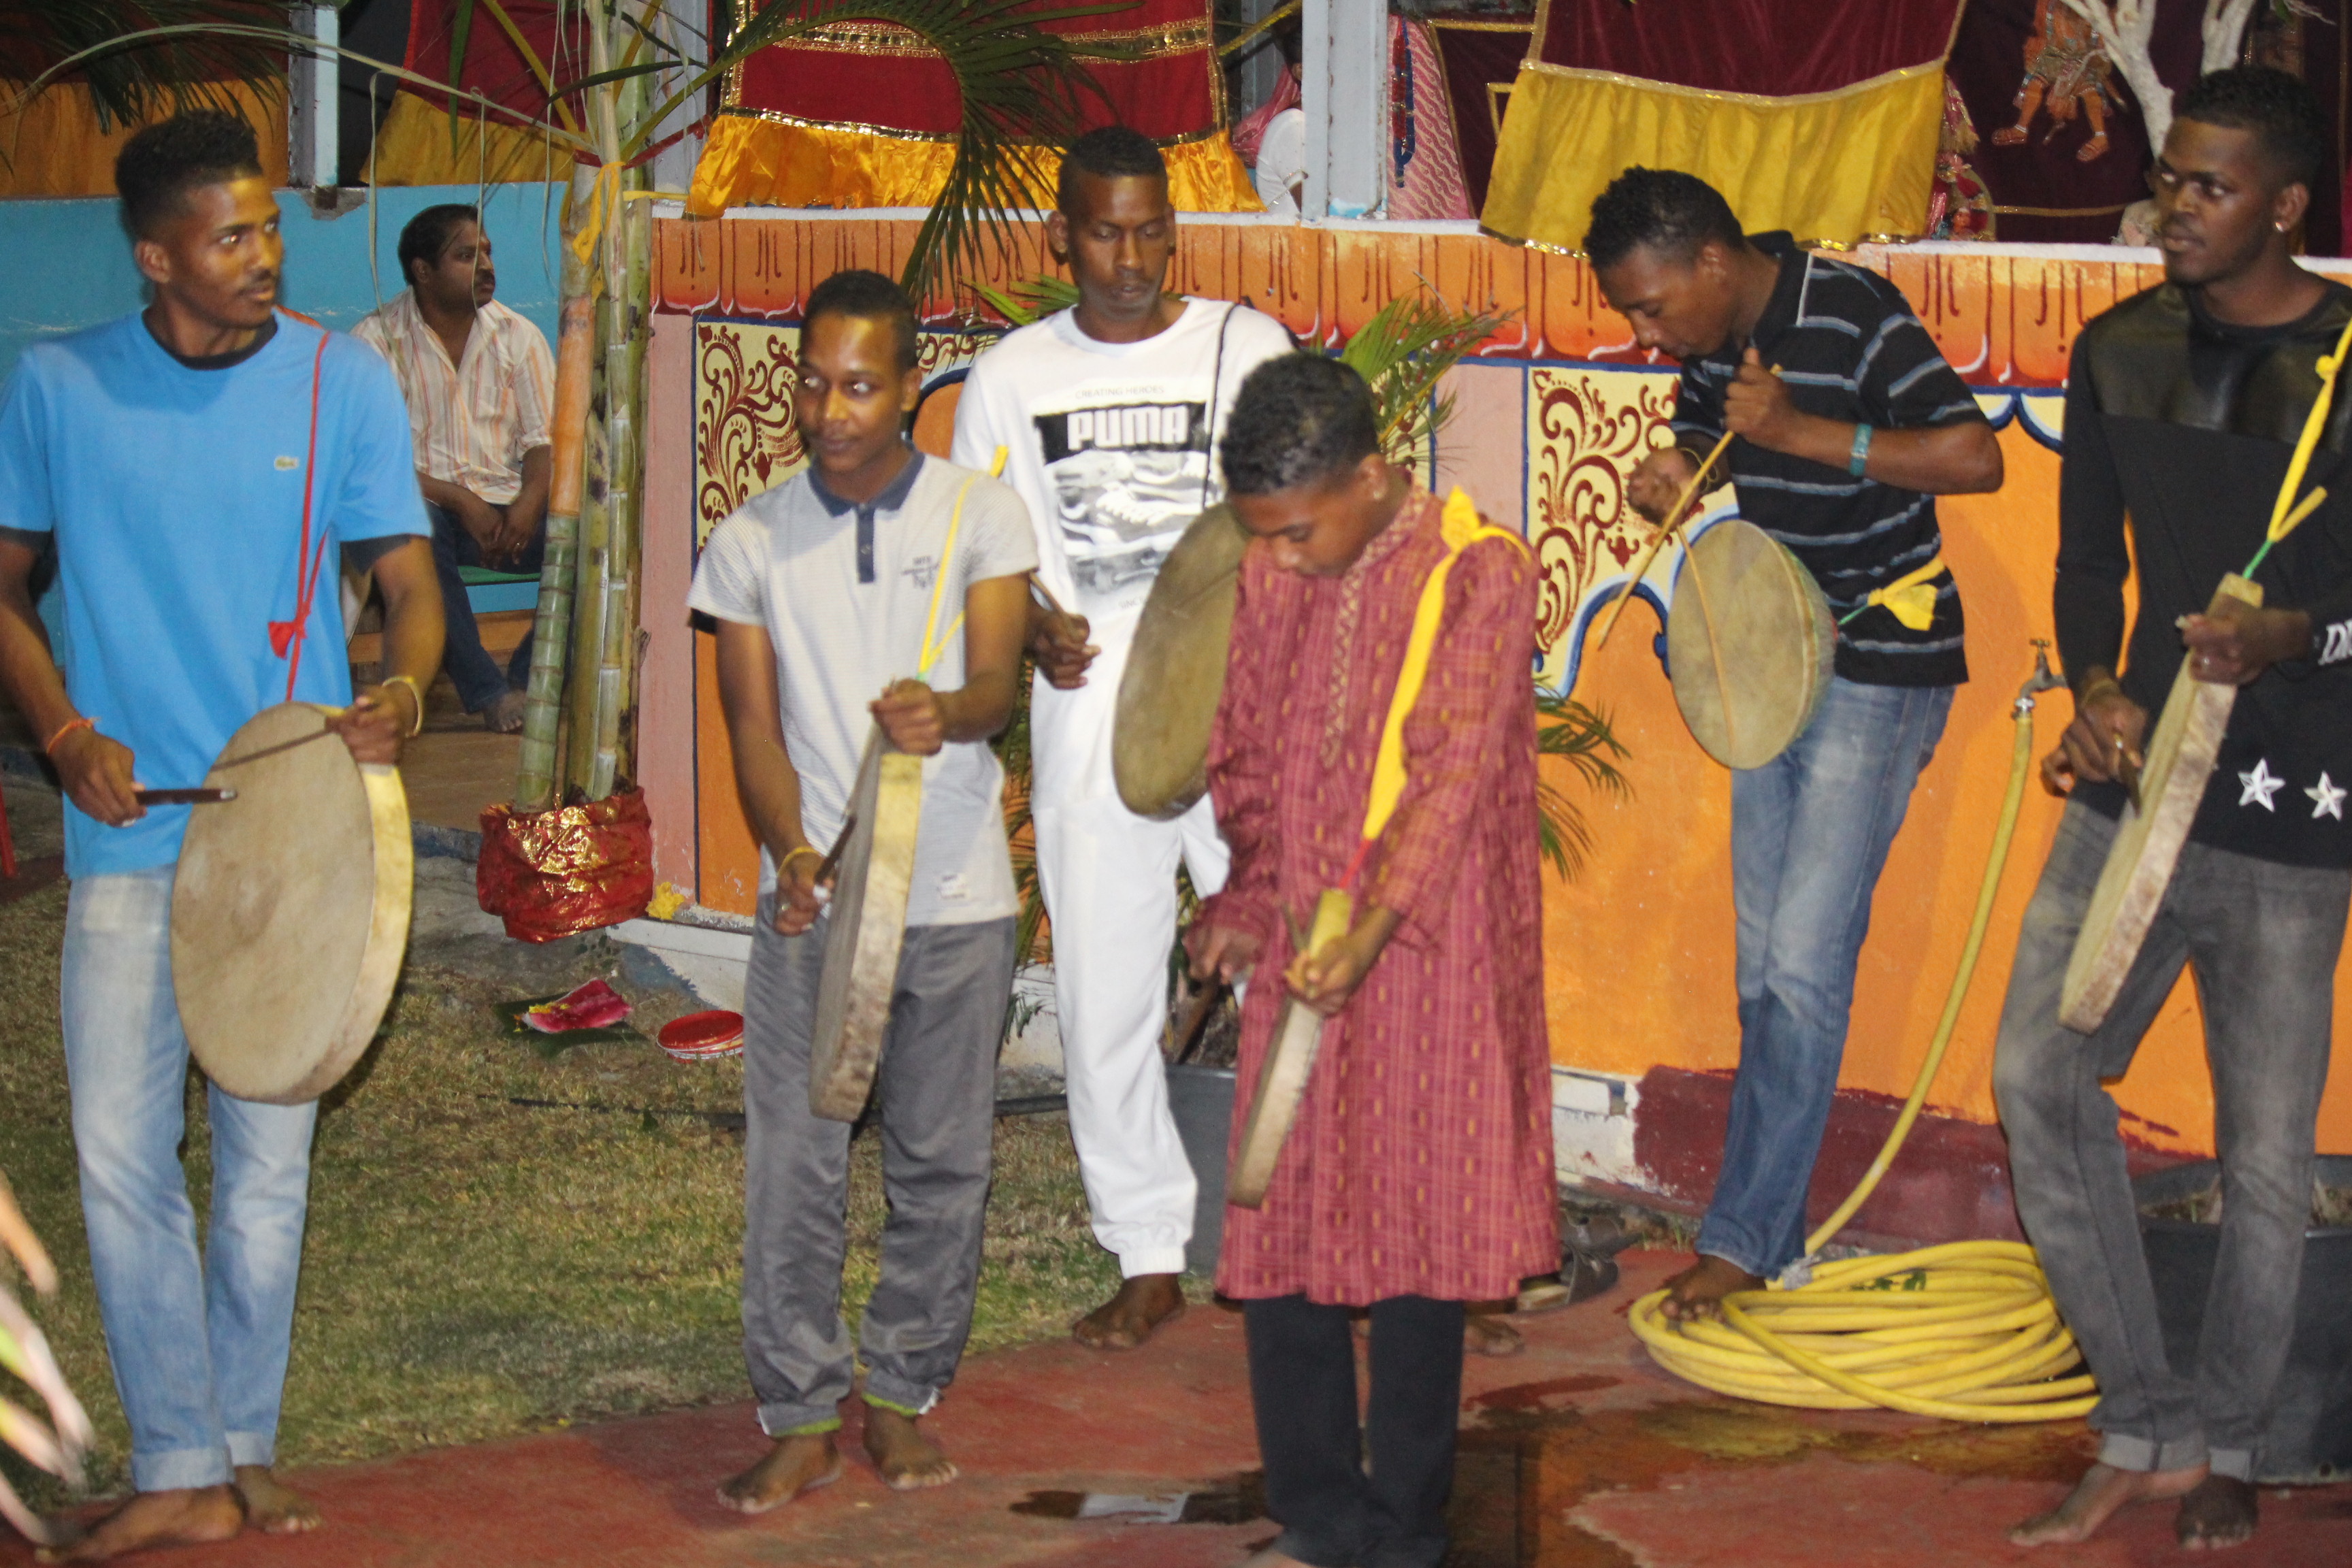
(198, 1343)
(2262, 941)
(1809, 832)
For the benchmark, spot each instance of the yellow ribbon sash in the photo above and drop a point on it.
(1910, 598)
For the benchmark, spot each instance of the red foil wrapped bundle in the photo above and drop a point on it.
(576, 869)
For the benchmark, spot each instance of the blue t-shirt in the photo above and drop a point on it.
(175, 496)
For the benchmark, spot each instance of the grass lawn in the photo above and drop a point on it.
(477, 1268)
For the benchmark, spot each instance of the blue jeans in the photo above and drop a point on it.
(198, 1343)
(1809, 832)
(472, 670)
(2262, 941)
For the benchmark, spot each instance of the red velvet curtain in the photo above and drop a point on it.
(877, 77)
(493, 66)
(1774, 48)
(1482, 60)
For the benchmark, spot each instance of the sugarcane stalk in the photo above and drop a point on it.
(608, 448)
(624, 502)
(551, 629)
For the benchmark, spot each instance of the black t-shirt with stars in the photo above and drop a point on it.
(2185, 426)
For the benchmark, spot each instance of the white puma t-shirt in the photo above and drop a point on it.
(1113, 445)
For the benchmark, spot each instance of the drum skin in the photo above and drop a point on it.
(2147, 842)
(1744, 600)
(290, 910)
(1176, 670)
(865, 925)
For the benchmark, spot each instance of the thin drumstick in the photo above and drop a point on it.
(1667, 528)
(1046, 594)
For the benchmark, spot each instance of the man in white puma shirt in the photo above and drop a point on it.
(1109, 413)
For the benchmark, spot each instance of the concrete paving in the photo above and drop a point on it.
(1576, 1454)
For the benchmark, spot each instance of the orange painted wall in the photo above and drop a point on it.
(1639, 950)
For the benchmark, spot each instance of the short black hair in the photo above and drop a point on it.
(428, 234)
(2279, 110)
(1297, 420)
(870, 297)
(159, 166)
(1107, 152)
(1662, 209)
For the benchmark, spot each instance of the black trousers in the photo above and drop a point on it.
(1351, 1495)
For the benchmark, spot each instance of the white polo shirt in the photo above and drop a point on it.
(845, 592)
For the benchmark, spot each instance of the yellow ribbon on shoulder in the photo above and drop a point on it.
(1461, 527)
(1910, 598)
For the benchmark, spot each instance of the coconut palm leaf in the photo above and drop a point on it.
(186, 68)
(1404, 352)
(1567, 728)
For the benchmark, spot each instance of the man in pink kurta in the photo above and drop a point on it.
(1419, 1173)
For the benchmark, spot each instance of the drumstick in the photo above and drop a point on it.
(183, 796)
(832, 862)
(1046, 594)
(1667, 526)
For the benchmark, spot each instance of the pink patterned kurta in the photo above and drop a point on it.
(1421, 1163)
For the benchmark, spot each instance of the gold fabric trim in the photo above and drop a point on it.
(889, 38)
(1461, 27)
(1754, 99)
(2065, 212)
(893, 134)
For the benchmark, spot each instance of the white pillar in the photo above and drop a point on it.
(685, 23)
(313, 151)
(1343, 77)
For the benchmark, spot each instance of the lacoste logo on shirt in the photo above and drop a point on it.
(287, 464)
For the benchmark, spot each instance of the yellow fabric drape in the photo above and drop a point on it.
(412, 148)
(771, 161)
(55, 148)
(1834, 168)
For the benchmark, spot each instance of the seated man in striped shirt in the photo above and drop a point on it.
(1848, 424)
(480, 388)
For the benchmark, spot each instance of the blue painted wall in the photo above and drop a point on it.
(65, 265)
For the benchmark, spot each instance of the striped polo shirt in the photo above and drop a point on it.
(1851, 350)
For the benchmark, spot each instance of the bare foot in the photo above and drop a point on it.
(186, 1517)
(2096, 1499)
(909, 1460)
(271, 1506)
(2096, 147)
(1698, 1291)
(1126, 1320)
(1490, 1333)
(795, 1466)
(2219, 1512)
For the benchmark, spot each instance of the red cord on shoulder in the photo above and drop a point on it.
(286, 637)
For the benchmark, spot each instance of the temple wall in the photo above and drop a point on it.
(1549, 417)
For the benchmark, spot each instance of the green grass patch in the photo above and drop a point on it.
(477, 1268)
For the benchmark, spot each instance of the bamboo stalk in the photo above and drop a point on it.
(552, 630)
(610, 441)
(617, 685)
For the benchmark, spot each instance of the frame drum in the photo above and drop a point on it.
(1750, 642)
(289, 911)
(2148, 844)
(865, 925)
(1176, 670)
(1289, 1063)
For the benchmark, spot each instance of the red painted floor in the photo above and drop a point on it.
(1576, 1454)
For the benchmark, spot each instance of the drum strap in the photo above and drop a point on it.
(1461, 528)
(286, 637)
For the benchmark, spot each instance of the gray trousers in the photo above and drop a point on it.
(937, 1090)
(2262, 941)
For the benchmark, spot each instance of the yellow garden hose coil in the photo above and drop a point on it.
(1966, 1330)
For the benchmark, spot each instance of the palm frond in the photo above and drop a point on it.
(1024, 304)
(1567, 728)
(134, 79)
(1404, 352)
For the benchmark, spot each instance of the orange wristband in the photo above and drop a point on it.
(67, 727)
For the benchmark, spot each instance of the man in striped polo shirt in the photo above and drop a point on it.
(1848, 424)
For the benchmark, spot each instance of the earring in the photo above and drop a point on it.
(2280, 227)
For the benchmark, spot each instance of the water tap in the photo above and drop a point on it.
(2039, 680)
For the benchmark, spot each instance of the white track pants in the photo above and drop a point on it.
(1109, 878)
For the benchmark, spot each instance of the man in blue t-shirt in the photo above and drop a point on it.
(189, 463)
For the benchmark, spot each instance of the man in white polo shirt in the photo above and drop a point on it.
(1110, 411)
(480, 388)
(878, 588)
